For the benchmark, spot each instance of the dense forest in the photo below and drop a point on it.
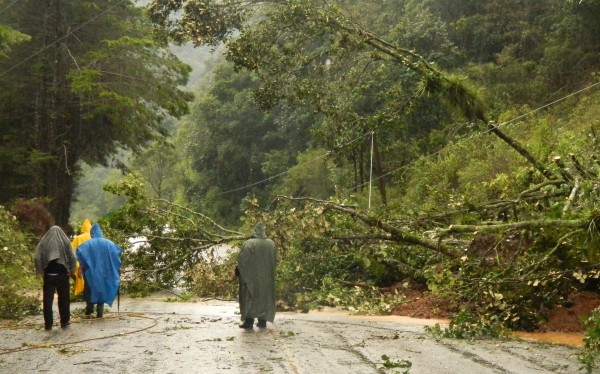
(451, 145)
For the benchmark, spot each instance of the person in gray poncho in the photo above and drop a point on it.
(55, 262)
(256, 274)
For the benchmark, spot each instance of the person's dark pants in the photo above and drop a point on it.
(58, 283)
(250, 322)
(89, 307)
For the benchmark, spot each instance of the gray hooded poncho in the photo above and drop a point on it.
(54, 245)
(256, 266)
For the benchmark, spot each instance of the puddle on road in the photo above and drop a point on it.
(565, 338)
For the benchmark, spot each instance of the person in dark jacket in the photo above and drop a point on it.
(100, 264)
(55, 262)
(256, 275)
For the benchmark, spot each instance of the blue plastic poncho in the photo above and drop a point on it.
(100, 260)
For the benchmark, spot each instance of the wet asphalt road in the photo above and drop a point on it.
(153, 336)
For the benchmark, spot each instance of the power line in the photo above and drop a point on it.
(62, 37)
(484, 132)
(8, 6)
(549, 104)
(429, 155)
(290, 169)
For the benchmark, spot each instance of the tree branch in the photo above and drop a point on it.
(529, 225)
(396, 234)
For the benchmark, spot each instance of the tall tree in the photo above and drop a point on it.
(292, 45)
(155, 164)
(90, 82)
(231, 145)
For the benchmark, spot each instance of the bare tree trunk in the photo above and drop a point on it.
(361, 169)
(355, 173)
(56, 182)
(379, 170)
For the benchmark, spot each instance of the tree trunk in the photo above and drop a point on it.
(378, 169)
(51, 138)
(361, 169)
(355, 166)
(520, 149)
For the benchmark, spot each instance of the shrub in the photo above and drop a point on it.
(17, 277)
(214, 279)
(590, 353)
(465, 325)
(33, 215)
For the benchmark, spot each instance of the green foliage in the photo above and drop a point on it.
(218, 22)
(155, 164)
(228, 146)
(466, 174)
(17, 280)
(310, 55)
(388, 363)
(310, 177)
(90, 200)
(175, 242)
(509, 279)
(314, 270)
(321, 83)
(214, 279)
(465, 325)
(107, 86)
(590, 355)
(184, 297)
(10, 37)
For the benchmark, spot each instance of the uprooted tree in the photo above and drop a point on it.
(334, 253)
(508, 271)
(305, 53)
(505, 259)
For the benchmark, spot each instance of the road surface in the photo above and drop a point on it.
(149, 335)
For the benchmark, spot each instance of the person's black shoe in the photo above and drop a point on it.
(246, 326)
(261, 324)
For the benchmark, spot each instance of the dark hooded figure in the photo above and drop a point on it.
(100, 264)
(256, 274)
(55, 262)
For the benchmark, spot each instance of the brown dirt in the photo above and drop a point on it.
(421, 304)
(569, 319)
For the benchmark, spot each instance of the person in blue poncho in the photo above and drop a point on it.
(100, 264)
